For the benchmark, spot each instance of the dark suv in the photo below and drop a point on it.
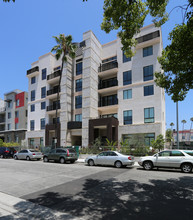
(61, 155)
(7, 152)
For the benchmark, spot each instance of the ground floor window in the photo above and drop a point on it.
(148, 138)
(41, 141)
(31, 142)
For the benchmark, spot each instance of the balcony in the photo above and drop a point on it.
(2, 120)
(74, 125)
(33, 72)
(51, 109)
(108, 69)
(52, 93)
(108, 86)
(105, 103)
(54, 77)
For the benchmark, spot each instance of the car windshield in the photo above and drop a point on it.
(189, 153)
(33, 150)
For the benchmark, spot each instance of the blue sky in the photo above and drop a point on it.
(27, 27)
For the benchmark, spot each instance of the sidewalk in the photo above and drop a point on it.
(15, 208)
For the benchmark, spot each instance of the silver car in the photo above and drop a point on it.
(111, 158)
(180, 159)
(28, 154)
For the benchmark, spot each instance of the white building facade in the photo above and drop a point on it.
(102, 93)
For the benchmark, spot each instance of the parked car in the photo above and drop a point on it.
(7, 152)
(28, 154)
(111, 158)
(61, 155)
(180, 159)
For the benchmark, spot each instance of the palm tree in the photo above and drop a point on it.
(191, 119)
(63, 48)
(183, 122)
(172, 124)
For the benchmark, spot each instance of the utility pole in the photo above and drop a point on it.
(177, 125)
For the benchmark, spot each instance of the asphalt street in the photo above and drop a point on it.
(84, 192)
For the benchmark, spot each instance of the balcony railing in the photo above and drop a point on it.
(30, 71)
(108, 83)
(53, 91)
(107, 66)
(103, 103)
(2, 120)
(52, 107)
(54, 75)
(74, 124)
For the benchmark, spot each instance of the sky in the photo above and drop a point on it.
(27, 27)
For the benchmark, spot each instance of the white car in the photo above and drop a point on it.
(28, 154)
(111, 158)
(180, 159)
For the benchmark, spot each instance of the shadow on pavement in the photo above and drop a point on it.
(111, 199)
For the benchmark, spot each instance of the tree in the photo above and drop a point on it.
(177, 58)
(8, 0)
(183, 122)
(158, 143)
(169, 137)
(63, 48)
(171, 124)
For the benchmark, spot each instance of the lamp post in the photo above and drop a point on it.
(177, 125)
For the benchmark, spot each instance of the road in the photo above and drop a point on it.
(100, 192)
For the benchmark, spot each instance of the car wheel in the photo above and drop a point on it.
(147, 165)
(2, 156)
(186, 168)
(15, 158)
(28, 158)
(91, 162)
(118, 164)
(62, 160)
(45, 159)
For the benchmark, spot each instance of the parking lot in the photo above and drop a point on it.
(100, 192)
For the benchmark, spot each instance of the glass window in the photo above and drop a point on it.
(9, 127)
(17, 102)
(16, 138)
(176, 153)
(32, 125)
(16, 126)
(42, 123)
(189, 153)
(9, 115)
(78, 85)
(147, 51)
(43, 92)
(148, 90)
(78, 117)
(79, 68)
(44, 73)
(126, 59)
(148, 138)
(148, 115)
(9, 104)
(127, 77)
(16, 114)
(31, 143)
(147, 73)
(33, 108)
(164, 154)
(127, 117)
(183, 137)
(43, 105)
(32, 95)
(78, 101)
(127, 94)
(41, 141)
(33, 80)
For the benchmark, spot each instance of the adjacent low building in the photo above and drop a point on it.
(102, 93)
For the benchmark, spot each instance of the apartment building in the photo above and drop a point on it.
(102, 93)
(13, 116)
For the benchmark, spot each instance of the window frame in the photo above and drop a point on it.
(128, 76)
(148, 73)
(149, 119)
(129, 121)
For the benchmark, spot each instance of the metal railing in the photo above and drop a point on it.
(53, 91)
(108, 83)
(52, 107)
(107, 66)
(54, 75)
(36, 68)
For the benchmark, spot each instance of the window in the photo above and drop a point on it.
(108, 100)
(42, 123)
(43, 92)
(189, 153)
(44, 73)
(16, 114)
(126, 59)
(78, 85)
(148, 90)
(109, 115)
(31, 142)
(127, 94)
(33, 108)
(79, 68)
(176, 153)
(9, 104)
(148, 138)
(54, 120)
(164, 154)
(33, 80)
(9, 127)
(16, 126)
(78, 101)
(147, 51)
(17, 102)
(183, 137)
(9, 115)
(127, 77)
(16, 138)
(127, 117)
(148, 115)
(147, 73)
(32, 95)
(32, 125)
(43, 105)
(78, 117)
(41, 141)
